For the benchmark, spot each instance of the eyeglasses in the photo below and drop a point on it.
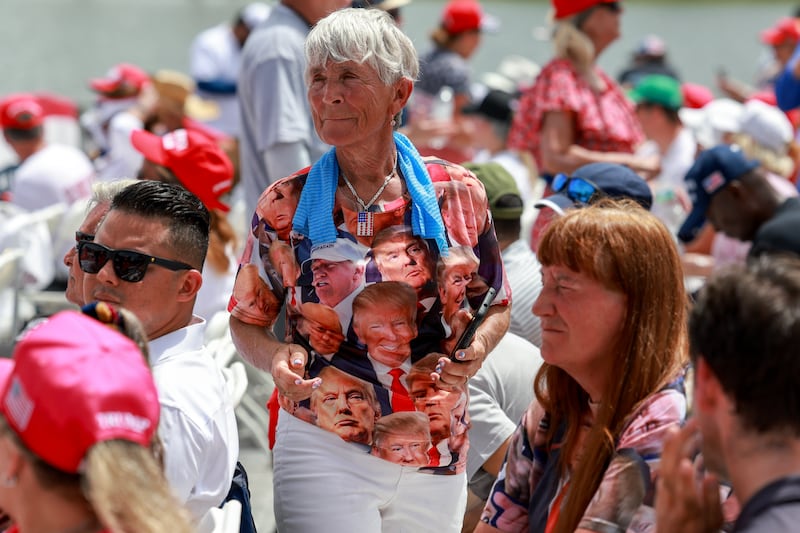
(128, 265)
(577, 189)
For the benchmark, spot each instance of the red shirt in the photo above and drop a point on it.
(604, 121)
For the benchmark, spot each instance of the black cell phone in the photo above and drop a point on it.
(477, 318)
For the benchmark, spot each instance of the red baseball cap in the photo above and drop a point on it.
(74, 382)
(695, 95)
(784, 30)
(21, 112)
(123, 78)
(566, 8)
(460, 16)
(196, 160)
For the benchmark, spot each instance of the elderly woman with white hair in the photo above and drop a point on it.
(361, 72)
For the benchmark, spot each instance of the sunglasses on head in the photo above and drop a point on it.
(576, 189)
(128, 265)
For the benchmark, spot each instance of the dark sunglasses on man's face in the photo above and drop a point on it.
(81, 236)
(128, 265)
(576, 189)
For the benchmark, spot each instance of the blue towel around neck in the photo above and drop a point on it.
(314, 220)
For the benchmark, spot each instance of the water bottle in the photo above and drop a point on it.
(668, 209)
(441, 110)
(442, 105)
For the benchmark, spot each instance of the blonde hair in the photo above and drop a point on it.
(122, 483)
(220, 235)
(780, 163)
(128, 491)
(626, 249)
(575, 46)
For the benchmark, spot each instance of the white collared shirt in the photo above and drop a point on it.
(198, 426)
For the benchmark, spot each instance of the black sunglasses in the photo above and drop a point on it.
(81, 236)
(128, 265)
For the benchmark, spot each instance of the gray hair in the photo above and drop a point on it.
(365, 36)
(105, 191)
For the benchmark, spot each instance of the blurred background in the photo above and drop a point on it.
(56, 45)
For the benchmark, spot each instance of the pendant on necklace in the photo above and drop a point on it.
(365, 224)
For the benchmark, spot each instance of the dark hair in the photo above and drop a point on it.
(184, 214)
(507, 228)
(19, 134)
(746, 326)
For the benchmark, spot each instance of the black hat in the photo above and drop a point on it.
(496, 105)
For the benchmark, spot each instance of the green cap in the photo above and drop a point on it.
(505, 201)
(658, 89)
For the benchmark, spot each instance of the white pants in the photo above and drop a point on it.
(322, 483)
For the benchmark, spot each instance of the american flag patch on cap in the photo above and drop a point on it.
(18, 404)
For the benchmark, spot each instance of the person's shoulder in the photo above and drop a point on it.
(779, 233)
(65, 151)
(648, 424)
(558, 65)
(213, 36)
(442, 170)
(772, 507)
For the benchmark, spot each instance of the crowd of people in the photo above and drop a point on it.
(547, 300)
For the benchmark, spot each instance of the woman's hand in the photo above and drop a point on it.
(288, 372)
(687, 498)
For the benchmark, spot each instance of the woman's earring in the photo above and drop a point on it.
(394, 123)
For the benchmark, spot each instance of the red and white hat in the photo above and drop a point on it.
(195, 159)
(460, 16)
(124, 79)
(74, 382)
(21, 112)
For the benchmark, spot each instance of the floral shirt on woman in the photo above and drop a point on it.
(604, 121)
(529, 489)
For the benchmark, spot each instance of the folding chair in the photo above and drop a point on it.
(10, 282)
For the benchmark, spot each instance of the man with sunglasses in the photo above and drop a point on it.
(96, 208)
(147, 256)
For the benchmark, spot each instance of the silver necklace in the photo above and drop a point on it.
(365, 222)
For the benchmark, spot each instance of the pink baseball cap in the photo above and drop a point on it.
(195, 159)
(21, 112)
(460, 16)
(74, 382)
(122, 78)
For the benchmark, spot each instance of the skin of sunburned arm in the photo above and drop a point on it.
(286, 362)
(560, 154)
